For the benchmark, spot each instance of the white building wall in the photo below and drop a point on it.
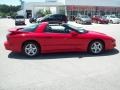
(93, 2)
(34, 6)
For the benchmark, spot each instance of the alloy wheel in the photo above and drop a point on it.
(96, 47)
(30, 49)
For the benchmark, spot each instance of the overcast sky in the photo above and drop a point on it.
(17, 2)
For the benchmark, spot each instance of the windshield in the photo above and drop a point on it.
(113, 16)
(30, 28)
(78, 29)
(84, 16)
(103, 17)
(19, 17)
(47, 16)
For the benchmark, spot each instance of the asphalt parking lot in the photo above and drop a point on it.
(62, 71)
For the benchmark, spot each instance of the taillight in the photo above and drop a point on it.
(7, 37)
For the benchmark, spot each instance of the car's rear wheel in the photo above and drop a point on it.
(96, 47)
(31, 49)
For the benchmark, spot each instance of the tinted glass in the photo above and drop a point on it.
(84, 16)
(19, 17)
(113, 16)
(30, 28)
(103, 17)
(78, 29)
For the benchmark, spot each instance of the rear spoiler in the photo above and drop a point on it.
(14, 29)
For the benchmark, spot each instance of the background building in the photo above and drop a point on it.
(72, 7)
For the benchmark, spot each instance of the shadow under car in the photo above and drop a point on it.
(61, 55)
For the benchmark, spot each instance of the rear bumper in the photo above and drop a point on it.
(10, 47)
(7, 46)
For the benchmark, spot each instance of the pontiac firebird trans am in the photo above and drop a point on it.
(46, 38)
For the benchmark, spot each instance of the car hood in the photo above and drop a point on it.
(95, 34)
(115, 19)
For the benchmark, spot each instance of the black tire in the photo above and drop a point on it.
(99, 48)
(32, 50)
(76, 21)
(111, 21)
(16, 24)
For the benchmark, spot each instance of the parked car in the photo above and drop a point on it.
(32, 19)
(54, 19)
(83, 19)
(100, 19)
(8, 17)
(113, 19)
(45, 38)
(39, 19)
(19, 20)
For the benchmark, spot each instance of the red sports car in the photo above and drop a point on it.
(45, 38)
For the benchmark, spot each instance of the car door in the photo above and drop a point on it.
(58, 41)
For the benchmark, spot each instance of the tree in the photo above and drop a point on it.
(6, 10)
(47, 11)
(40, 13)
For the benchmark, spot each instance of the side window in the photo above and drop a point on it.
(58, 17)
(52, 17)
(57, 29)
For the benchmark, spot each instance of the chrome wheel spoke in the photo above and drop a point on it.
(96, 47)
(30, 49)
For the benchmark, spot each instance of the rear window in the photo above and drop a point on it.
(19, 17)
(30, 28)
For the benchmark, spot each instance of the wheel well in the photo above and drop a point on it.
(96, 40)
(33, 41)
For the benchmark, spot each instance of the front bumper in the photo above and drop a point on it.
(110, 45)
(104, 22)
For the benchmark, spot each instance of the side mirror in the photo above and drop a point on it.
(74, 33)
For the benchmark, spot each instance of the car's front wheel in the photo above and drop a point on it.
(111, 21)
(31, 49)
(96, 47)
